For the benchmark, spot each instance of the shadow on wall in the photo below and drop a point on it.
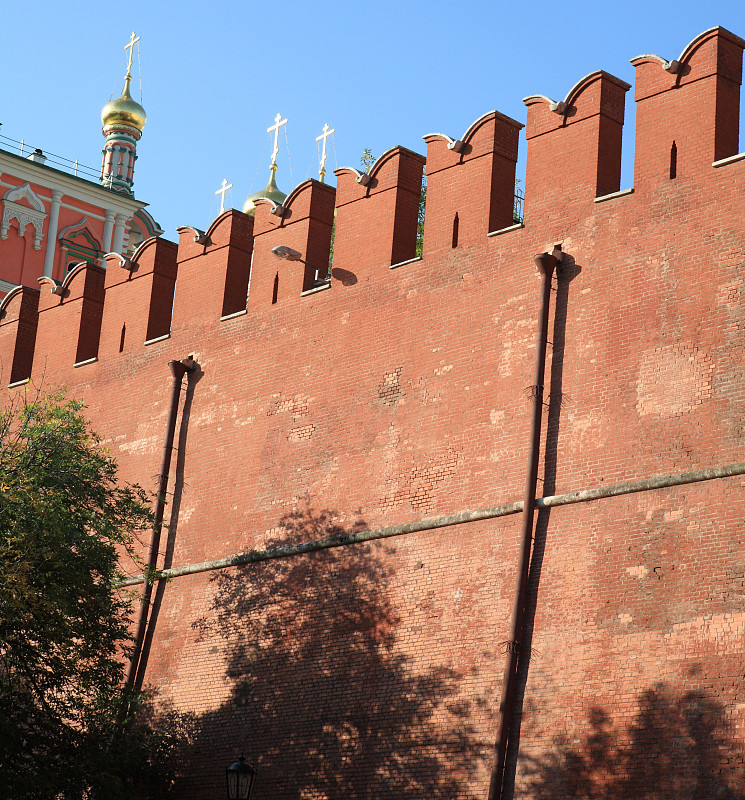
(323, 700)
(678, 747)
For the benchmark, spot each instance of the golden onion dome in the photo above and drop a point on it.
(124, 110)
(271, 191)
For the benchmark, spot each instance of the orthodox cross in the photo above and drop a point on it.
(131, 46)
(278, 123)
(221, 191)
(325, 135)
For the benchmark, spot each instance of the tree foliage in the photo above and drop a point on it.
(64, 636)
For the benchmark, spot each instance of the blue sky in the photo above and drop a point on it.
(382, 74)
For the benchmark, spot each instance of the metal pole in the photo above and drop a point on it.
(178, 370)
(546, 263)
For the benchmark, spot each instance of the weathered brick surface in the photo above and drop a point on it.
(373, 670)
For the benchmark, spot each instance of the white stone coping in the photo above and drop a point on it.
(87, 361)
(730, 160)
(322, 288)
(614, 195)
(509, 229)
(158, 339)
(404, 263)
(235, 314)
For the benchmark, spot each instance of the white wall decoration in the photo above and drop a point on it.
(33, 216)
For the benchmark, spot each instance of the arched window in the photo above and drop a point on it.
(80, 246)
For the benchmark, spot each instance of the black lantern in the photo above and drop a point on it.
(241, 777)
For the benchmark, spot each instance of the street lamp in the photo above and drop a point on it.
(288, 254)
(240, 777)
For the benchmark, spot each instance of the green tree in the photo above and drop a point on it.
(64, 627)
(420, 217)
(367, 159)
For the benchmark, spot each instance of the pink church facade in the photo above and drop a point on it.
(52, 219)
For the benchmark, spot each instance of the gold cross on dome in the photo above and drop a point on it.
(325, 135)
(221, 191)
(278, 123)
(131, 46)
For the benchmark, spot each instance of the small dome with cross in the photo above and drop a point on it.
(124, 111)
(271, 192)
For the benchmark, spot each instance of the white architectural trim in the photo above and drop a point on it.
(79, 188)
(52, 232)
(33, 216)
(119, 224)
(25, 192)
(77, 208)
(69, 206)
(74, 227)
(108, 230)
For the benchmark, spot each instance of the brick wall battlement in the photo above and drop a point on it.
(398, 393)
(687, 122)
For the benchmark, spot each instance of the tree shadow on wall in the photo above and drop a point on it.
(678, 747)
(323, 701)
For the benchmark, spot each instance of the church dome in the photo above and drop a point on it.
(124, 110)
(271, 191)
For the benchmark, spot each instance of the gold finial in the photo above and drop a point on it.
(271, 191)
(125, 110)
(130, 46)
(325, 135)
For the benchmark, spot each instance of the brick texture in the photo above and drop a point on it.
(373, 670)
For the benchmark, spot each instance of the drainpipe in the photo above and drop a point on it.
(546, 263)
(178, 370)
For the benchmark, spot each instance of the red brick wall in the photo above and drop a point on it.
(374, 670)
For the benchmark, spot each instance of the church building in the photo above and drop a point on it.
(56, 214)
